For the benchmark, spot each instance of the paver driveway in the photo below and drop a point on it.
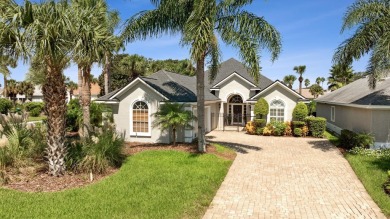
(283, 177)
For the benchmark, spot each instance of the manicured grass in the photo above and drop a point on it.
(35, 119)
(332, 138)
(223, 149)
(150, 184)
(372, 172)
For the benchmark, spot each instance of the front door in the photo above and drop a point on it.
(237, 114)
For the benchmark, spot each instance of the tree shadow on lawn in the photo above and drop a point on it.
(381, 163)
(323, 145)
(240, 148)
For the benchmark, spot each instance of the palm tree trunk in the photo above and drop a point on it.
(54, 95)
(5, 87)
(174, 136)
(86, 100)
(300, 84)
(200, 104)
(107, 73)
(80, 81)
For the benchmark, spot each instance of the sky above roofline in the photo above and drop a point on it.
(310, 33)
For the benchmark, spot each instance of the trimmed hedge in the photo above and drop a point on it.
(350, 139)
(35, 108)
(5, 105)
(261, 108)
(317, 126)
(260, 122)
(300, 112)
(298, 124)
(298, 132)
(278, 128)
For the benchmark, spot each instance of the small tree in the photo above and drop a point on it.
(300, 112)
(307, 82)
(172, 116)
(261, 108)
(316, 90)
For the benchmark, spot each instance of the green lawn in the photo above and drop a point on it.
(372, 172)
(150, 184)
(35, 119)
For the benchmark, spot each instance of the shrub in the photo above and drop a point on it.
(35, 112)
(317, 126)
(298, 124)
(102, 150)
(267, 131)
(350, 139)
(5, 159)
(298, 132)
(300, 112)
(261, 108)
(312, 108)
(5, 105)
(260, 122)
(288, 130)
(278, 128)
(259, 131)
(74, 115)
(30, 106)
(305, 131)
(250, 128)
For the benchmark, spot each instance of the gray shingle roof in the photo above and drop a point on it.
(176, 87)
(358, 92)
(108, 96)
(232, 65)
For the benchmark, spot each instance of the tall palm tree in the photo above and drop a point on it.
(71, 86)
(300, 70)
(307, 82)
(172, 116)
(200, 22)
(5, 62)
(320, 80)
(340, 75)
(43, 32)
(91, 38)
(13, 89)
(370, 19)
(289, 80)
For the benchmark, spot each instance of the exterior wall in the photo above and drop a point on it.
(122, 113)
(289, 99)
(376, 122)
(234, 85)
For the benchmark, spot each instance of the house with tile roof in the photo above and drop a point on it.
(229, 101)
(358, 108)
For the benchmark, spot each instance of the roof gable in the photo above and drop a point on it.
(276, 83)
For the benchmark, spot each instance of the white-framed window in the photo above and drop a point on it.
(140, 119)
(332, 113)
(276, 110)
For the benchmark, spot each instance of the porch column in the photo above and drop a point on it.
(220, 116)
(252, 112)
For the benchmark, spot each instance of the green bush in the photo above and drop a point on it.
(278, 128)
(35, 112)
(260, 122)
(298, 124)
(5, 105)
(350, 139)
(101, 151)
(5, 159)
(300, 112)
(317, 126)
(261, 108)
(74, 115)
(30, 106)
(312, 108)
(297, 132)
(259, 131)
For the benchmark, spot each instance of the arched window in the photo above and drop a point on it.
(140, 117)
(276, 110)
(236, 99)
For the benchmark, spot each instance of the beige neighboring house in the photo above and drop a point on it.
(306, 93)
(229, 101)
(95, 92)
(360, 109)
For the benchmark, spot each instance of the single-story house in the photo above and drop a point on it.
(306, 93)
(229, 101)
(358, 108)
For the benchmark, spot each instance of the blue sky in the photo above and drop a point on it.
(310, 31)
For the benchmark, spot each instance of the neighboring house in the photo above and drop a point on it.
(95, 92)
(360, 109)
(229, 101)
(306, 93)
(37, 96)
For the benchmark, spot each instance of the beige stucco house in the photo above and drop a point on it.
(229, 101)
(358, 108)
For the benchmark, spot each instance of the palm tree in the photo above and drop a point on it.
(370, 19)
(289, 80)
(340, 75)
(316, 90)
(12, 89)
(45, 35)
(5, 62)
(172, 116)
(199, 23)
(300, 70)
(307, 82)
(320, 80)
(90, 38)
(26, 88)
(71, 87)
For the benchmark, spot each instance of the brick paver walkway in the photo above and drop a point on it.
(283, 177)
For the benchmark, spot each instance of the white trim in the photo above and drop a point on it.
(332, 113)
(132, 84)
(376, 107)
(230, 76)
(283, 85)
(107, 102)
(233, 94)
(216, 89)
(141, 134)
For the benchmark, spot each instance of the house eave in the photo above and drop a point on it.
(375, 107)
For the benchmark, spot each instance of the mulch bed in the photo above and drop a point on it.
(36, 179)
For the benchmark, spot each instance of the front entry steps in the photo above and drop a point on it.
(234, 128)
